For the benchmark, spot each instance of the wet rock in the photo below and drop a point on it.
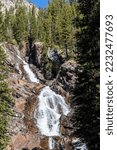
(38, 73)
(38, 88)
(44, 143)
(66, 126)
(54, 56)
(55, 60)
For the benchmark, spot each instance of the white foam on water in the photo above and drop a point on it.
(48, 112)
(51, 143)
(31, 75)
(27, 69)
(79, 145)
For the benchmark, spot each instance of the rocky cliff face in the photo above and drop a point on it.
(7, 4)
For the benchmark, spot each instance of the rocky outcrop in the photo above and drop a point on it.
(22, 128)
(54, 56)
(66, 77)
(36, 54)
(7, 4)
(39, 74)
(55, 60)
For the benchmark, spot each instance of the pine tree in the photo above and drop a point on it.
(33, 24)
(58, 30)
(66, 27)
(40, 21)
(5, 102)
(53, 9)
(47, 28)
(20, 26)
(86, 111)
(8, 25)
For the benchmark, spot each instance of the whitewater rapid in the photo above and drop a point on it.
(49, 110)
(28, 71)
(31, 75)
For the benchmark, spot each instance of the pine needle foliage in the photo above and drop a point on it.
(5, 102)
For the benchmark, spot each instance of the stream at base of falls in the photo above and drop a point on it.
(50, 108)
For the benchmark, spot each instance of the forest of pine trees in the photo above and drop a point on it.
(5, 101)
(87, 113)
(72, 26)
(53, 26)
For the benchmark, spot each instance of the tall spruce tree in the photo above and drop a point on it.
(47, 28)
(58, 30)
(33, 24)
(66, 14)
(20, 26)
(87, 111)
(40, 22)
(8, 24)
(53, 9)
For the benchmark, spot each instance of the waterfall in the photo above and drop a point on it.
(50, 108)
(31, 75)
(29, 72)
(48, 112)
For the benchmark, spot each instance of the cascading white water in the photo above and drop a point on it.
(31, 75)
(51, 143)
(27, 69)
(48, 112)
(80, 146)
